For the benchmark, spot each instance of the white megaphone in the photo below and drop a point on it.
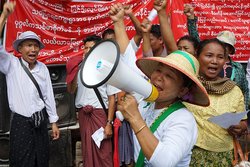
(102, 64)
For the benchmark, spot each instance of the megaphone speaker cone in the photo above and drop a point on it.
(99, 64)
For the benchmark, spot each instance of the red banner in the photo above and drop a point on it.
(62, 25)
(215, 16)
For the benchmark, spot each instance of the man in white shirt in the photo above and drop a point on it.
(29, 141)
(91, 114)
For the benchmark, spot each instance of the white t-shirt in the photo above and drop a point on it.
(177, 135)
(129, 57)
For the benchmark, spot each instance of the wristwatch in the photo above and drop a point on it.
(110, 122)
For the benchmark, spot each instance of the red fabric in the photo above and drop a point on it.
(72, 68)
(117, 124)
(89, 122)
(71, 31)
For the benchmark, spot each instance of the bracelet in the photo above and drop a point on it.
(140, 129)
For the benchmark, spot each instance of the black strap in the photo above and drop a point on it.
(97, 94)
(100, 99)
(32, 78)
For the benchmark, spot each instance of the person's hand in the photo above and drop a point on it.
(189, 11)
(108, 132)
(160, 5)
(8, 8)
(146, 25)
(237, 130)
(116, 12)
(128, 10)
(129, 108)
(55, 132)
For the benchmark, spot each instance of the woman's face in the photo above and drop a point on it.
(186, 46)
(212, 60)
(169, 83)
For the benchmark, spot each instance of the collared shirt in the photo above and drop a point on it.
(211, 136)
(177, 135)
(23, 96)
(86, 96)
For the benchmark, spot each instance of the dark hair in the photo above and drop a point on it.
(108, 31)
(203, 43)
(191, 39)
(155, 30)
(93, 38)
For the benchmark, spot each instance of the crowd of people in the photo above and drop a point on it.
(195, 79)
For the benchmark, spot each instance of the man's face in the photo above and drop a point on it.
(109, 36)
(29, 50)
(156, 43)
(88, 45)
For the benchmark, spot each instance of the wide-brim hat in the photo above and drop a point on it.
(186, 64)
(227, 37)
(27, 35)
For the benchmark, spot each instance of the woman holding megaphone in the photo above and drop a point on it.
(164, 131)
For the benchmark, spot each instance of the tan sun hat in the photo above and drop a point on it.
(227, 37)
(27, 35)
(186, 64)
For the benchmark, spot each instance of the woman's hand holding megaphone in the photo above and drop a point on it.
(128, 106)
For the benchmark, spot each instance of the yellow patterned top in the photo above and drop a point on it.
(212, 137)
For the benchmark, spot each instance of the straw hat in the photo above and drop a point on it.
(24, 36)
(227, 37)
(186, 64)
